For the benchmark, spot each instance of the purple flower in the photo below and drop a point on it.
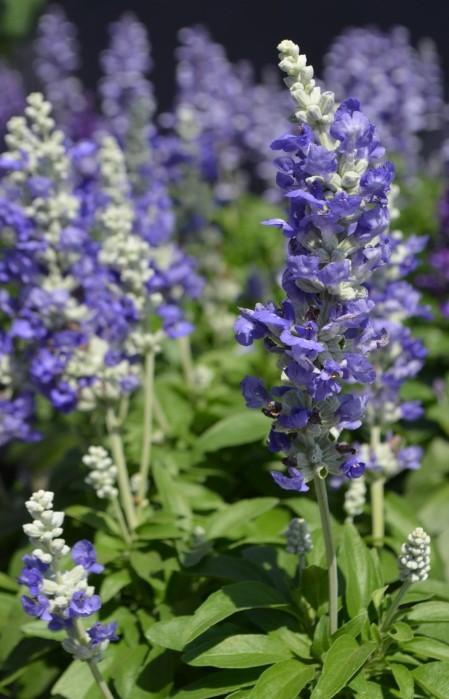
(353, 467)
(36, 607)
(83, 553)
(297, 419)
(322, 332)
(83, 605)
(102, 632)
(410, 458)
(254, 392)
(294, 480)
(32, 574)
(411, 410)
(351, 126)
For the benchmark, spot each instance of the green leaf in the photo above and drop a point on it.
(39, 629)
(126, 670)
(284, 680)
(145, 564)
(435, 512)
(401, 632)
(7, 583)
(222, 523)
(365, 689)
(359, 571)
(237, 651)
(216, 684)
(434, 679)
(229, 600)
(113, 583)
(399, 515)
(238, 428)
(75, 682)
(169, 634)
(94, 518)
(170, 492)
(404, 679)
(427, 647)
(430, 612)
(17, 17)
(341, 662)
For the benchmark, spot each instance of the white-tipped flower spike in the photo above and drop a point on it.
(103, 472)
(355, 498)
(298, 537)
(61, 595)
(414, 558)
(46, 528)
(314, 107)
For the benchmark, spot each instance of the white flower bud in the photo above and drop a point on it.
(414, 558)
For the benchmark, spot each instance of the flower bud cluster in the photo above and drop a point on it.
(61, 595)
(322, 333)
(414, 558)
(299, 539)
(355, 498)
(103, 473)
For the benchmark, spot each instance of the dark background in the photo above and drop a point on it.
(251, 29)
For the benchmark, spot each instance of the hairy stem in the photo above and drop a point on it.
(98, 677)
(148, 392)
(93, 667)
(395, 605)
(186, 360)
(118, 454)
(377, 496)
(331, 558)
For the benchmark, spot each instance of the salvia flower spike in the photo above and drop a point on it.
(60, 594)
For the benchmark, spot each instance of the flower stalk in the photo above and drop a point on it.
(122, 470)
(147, 425)
(331, 557)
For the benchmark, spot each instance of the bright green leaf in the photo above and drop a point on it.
(229, 600)
(222, 523)
(216, 684)
(239, 428)
(237, 651)
(169, 634)
(404, 679)
(427, 647)
(341, 662)
(113, 583)
(284, 680)
(359, 570)
(430, 612)
(434, 679)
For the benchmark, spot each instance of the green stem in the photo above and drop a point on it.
(395, 605)
(377, 511)
(186, 360)
(121, 520)
(160, 415)
(331, 558)
(148, 388)
(118, 455)
(80, 633)
(377, 494)
(98, 677)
